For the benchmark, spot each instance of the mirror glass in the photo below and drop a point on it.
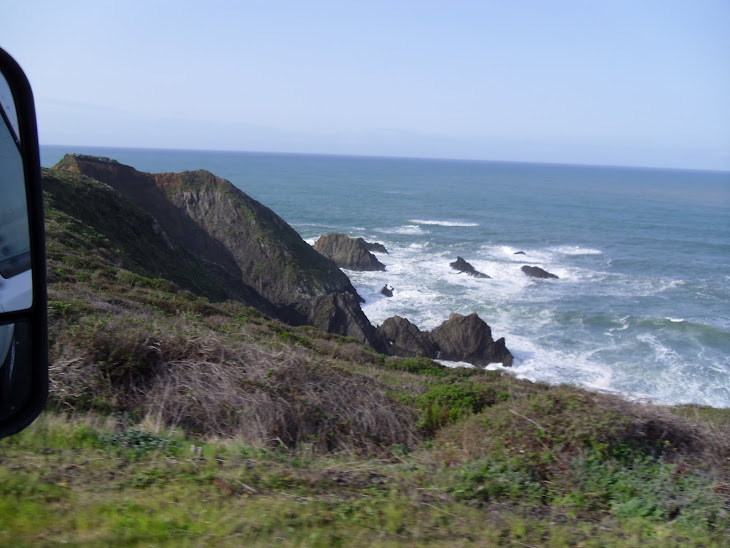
(15, 274)
(15, 375)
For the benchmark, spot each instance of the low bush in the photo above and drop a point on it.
(194, 379)
(447, 403)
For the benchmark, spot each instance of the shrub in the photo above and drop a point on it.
(199, 381)
(420, 366)
(447, 403)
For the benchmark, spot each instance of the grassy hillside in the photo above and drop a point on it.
(177, 419)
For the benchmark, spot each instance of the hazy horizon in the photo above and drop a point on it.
(625, 84)
(70, 148)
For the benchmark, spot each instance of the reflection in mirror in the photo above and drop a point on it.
(8, 106)
(15, 370)
(15, 274)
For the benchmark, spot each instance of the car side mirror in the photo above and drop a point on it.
(23, 313)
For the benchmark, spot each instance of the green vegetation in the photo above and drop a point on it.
(89, 480)
(178, 420)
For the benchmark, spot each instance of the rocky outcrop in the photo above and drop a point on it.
(405, 339)
(462, 266)
(205, 234)
(469, 339)
(460, 338)
(349, 253)
(340, 313)
(387, 290)
(375, 247)
(537, 272)
(132, 239)
(519, 253)
(222, 225)
(255, 254)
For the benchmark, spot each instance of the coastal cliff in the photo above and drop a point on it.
(152, 356)
(221, 224)
(253, 254)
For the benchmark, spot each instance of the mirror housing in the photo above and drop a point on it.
(24, 324)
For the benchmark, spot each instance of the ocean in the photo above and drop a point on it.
(642, 303)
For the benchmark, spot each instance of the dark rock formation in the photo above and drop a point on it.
(134, 240)
(405, 339)
(469, 339)
(257, 257)
(222, 225)
(462, 266)
(387, 290)
(460, 338)
(519, 253)
(350, 253)
(537, 272)
(375, 247)
(205, 234)
(341, 313)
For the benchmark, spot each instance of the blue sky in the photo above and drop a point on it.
(614, 82)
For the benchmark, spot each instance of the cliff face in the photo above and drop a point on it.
(108, 225)
(222, 225)
(206, 235)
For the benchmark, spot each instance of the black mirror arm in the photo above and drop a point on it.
(36, 316)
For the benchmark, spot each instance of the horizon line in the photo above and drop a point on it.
(391, 157)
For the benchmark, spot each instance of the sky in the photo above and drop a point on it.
(607, 82)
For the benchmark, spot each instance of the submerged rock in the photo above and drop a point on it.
(349, 253)
(519, 253)
(462, 266)
(537, 272)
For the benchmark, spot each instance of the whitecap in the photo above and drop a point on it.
(405, 229)
(442, 223)
(575, 250)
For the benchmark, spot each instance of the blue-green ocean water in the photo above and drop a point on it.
(642, 306)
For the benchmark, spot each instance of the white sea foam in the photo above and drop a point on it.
(675, 320)
(550, 343)
(575, 250)
(405, 229)
(516, 307)
(442, 223)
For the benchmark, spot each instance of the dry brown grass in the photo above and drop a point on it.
(190, 376)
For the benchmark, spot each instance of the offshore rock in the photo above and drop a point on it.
(462, 266)
(349, 253)
(537, 272)
(460, 338)
(519, 253)
(469, 339)
(405, 339)
(387, 290)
